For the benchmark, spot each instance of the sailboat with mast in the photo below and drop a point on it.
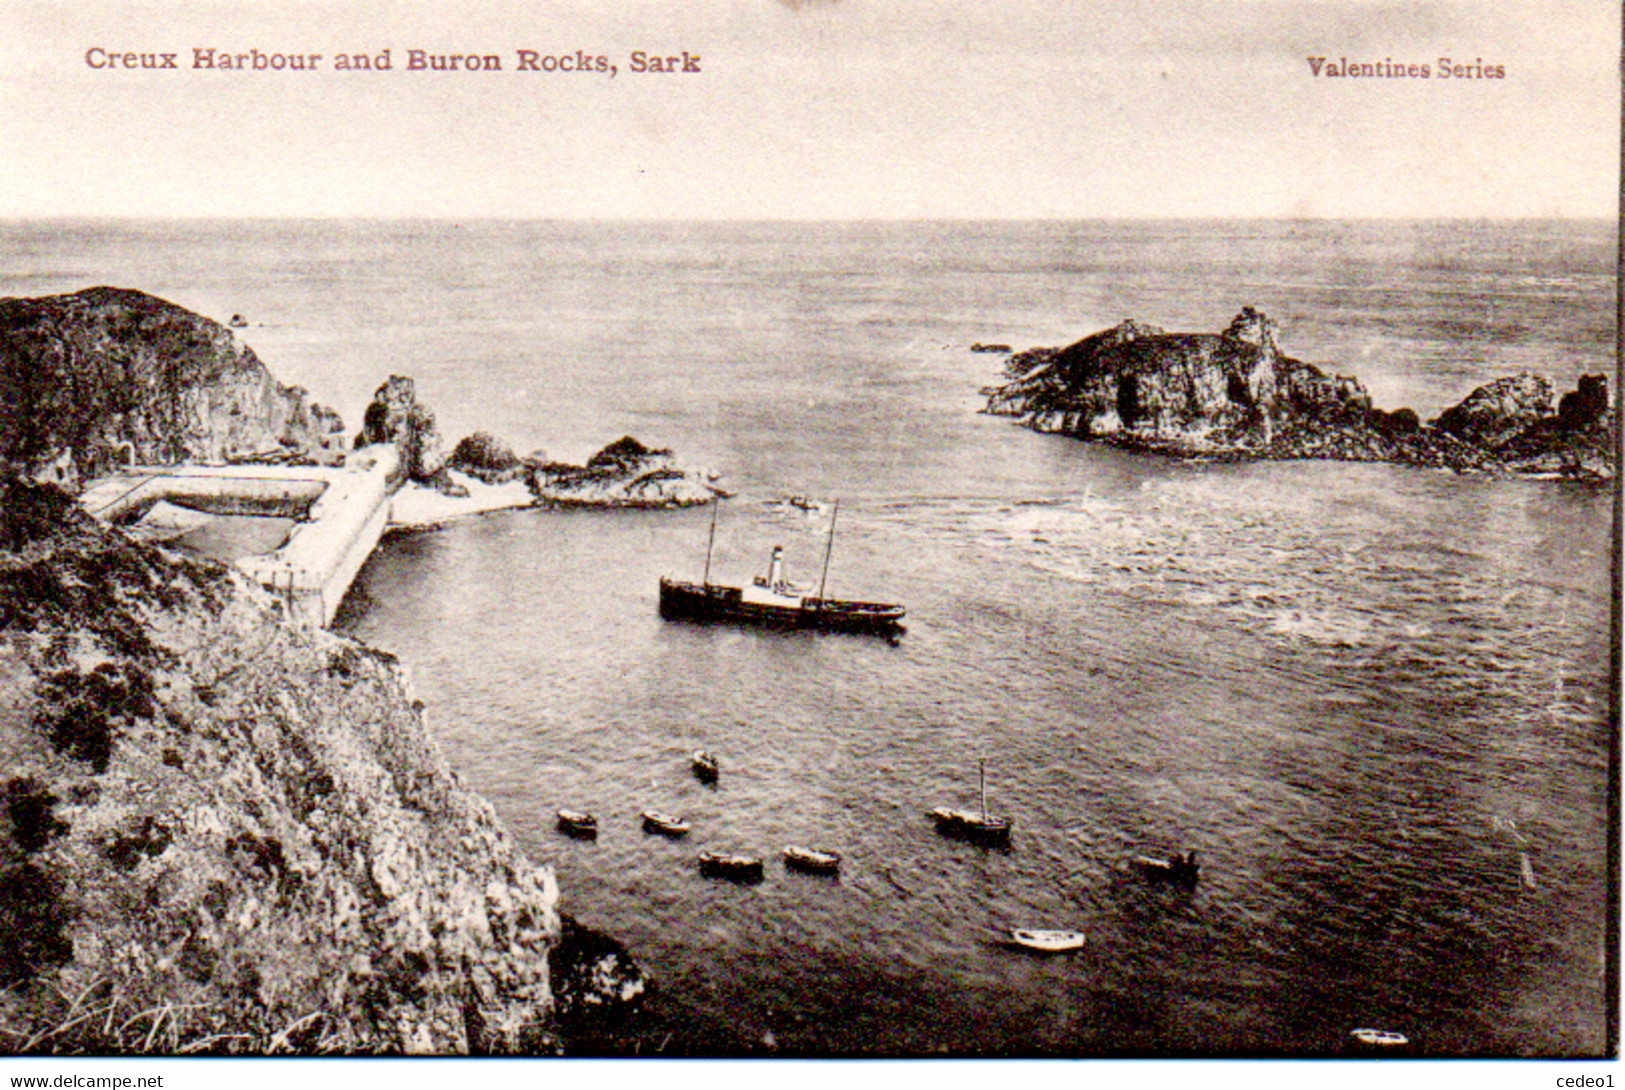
(772, 601)
(974, 824)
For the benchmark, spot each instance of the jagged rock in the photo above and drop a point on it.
(624, 454)
(594, 979)
(486, 457)
(1586, 405)
(226, 834)
(395, 415)
(1235, 395)
(623, 474)
(1498, 411)
(1579, 441)
(1136, 380)
(110, 376)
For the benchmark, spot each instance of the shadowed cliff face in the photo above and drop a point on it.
(1235, 395)
(108, 376)
(222, 833)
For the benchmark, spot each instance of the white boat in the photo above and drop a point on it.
(1048, 942)
(814, 860)
(1379, 1038)
(973, 824)
(656, 821)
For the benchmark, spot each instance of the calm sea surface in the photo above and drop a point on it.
(1374, 698)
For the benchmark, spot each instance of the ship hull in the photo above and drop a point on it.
(708, 604)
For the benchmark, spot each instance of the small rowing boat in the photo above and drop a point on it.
(737, 868)
(1047, 942)
(1178, 869)
(705, 765)
(657, 821)
(578, 823)
(811, 860)
(1379, 1038)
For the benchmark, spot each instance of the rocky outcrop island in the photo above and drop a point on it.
(1235, 395)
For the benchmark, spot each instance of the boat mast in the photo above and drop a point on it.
(828, 547)
(981, 783)
(716, 502)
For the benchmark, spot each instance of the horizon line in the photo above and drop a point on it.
(320, 217)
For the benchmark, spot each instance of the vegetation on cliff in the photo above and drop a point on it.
(1236, 395)
(108, 376)
(222, 833)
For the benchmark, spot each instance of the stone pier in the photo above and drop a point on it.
(339, 516)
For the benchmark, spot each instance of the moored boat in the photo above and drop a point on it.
(1177, 869)
(705, 765)
(711, 602)
(811, 860)
(976, 825)
(657, 821)
(971, 824)
(738, 868)
(1047, 942)
(1379, 1038)
(578, 823)
(772, 601)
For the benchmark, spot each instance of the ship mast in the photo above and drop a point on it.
(716, 502)
(828, 548)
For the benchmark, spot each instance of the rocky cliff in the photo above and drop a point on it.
(108, 376)
(1236, 395)
(221, 833)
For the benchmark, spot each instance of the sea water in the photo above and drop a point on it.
(1374, 698)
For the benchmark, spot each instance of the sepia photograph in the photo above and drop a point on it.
(808, 530)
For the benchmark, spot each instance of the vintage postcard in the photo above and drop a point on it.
(807, 530)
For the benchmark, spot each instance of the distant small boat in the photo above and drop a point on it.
(238, 322)
(1379, 1038)
(578, 823)
(1179, 869)
(656, 821)
(705, 765)
(738, 868)
(811, 860)
(1048, 942)
(973, 824)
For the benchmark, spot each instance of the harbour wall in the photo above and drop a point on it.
(342, 513)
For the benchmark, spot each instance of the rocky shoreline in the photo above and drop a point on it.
(1234, 396)
(623, 474)
(229, 834)
(223, 832)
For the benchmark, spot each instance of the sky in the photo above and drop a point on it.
(815, 109)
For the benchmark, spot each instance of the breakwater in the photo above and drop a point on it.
(341, 513)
